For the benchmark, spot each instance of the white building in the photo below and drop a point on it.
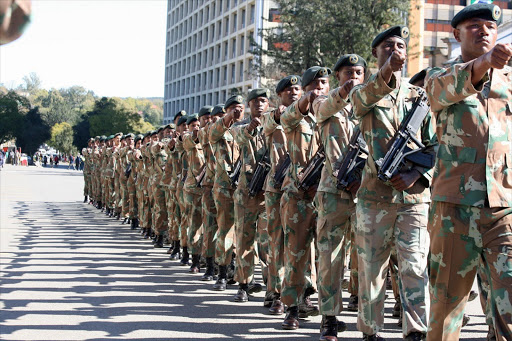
(208, 51)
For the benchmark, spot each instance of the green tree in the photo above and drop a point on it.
(62, 137)
(318, 32)
(13, 108)
(32, 83)
(34, 133)
(110, 116)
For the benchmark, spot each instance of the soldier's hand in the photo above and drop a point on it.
(347, 86)
(405, 180)
(172, 142)
(396, 61)
(499, 56)
(237, 114)
(278, 112)
(195, 133)
(255, 122)
(353, 187)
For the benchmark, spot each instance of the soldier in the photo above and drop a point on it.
(207, 115)
(391, 215)
(226, 154)
(470, 215)
(250, 217)
(193, 192)
(159, 157)
(297, 211)
(125, 177)
(335, 207)
(133, 185)
(288, 90)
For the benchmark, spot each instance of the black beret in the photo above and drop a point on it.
(394, 31)
(287, 81)
(147, 134)
(170, 126)
(206, 110)
(180, 113)
(118, 134)
(160, 129)
(97, 138)
(219, 108)
(130, 135)
(103, 137)
(236, 99)
(313, 73)
(418, 76)
(350, 60)
(139, 137)
(123, 137)
(480, 10)
(182, 120)
(192, 118)
(260, 92)
(153, 132)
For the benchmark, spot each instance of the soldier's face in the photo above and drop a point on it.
(154, 138)
(182, 128)
(194, 126)
(258, 106)
(320, 86)
(129, 142)
(167, 132)
(137, 145)
(476, 36)
(346, 73)
(386, 48)
(237, 110)
(116, 140)
(216, 117)
(204, 120)
(290, 95)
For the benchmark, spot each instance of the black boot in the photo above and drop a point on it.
(231, 270)
(169, 251)
(291, 321)
(329, 328)
(135, 223)
(209, 274)
(194, 268)
(221, 283)
(175, 250)
(85, 199)
(125, 220)
(147, 233)
(186, 256)
(159, 243)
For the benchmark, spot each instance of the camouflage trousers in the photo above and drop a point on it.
(87, 184)
(209, 222)
(276, 242)
(250, 220)
(380, 228)
(194, 214)
(117, 194)
(110, 195)
(174, 214)
(183, 220)
(335, 217)
(146, 213)
(159, 208)
(226, 221)
(351, 252)
(299, 223)
(125, 199)
(132, 199)
(467, 240)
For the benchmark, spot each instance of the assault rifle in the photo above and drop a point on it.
(200, 177)
(281, 171)
(260, 174)
(399, 152)
(353, 163)
(235, 174)
(311, 174)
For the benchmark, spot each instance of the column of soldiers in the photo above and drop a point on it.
(378, 174)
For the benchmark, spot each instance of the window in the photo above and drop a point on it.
(241, 71)
(233, 48)
(217, 77)
(226, 31)
(218, 53)
(235, 22)
(226, 50)
(253, 10)
(242, 44)
(243, 18)
(225, 75)
(233, 73)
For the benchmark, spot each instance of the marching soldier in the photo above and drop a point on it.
(391, 215)
(288, 90)
(336, 208)
(226, 154)
(470, 215)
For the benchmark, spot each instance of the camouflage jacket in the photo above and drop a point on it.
(276, 140)
(333, 116)
(159, 157)
(209, 158)
(252, 147)
(195, 157)
(380, 108)
(303, 142)
(226, 153)
(168, 168)
(474, 128)
(181, 164)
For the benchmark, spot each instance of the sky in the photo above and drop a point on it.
(115, 48)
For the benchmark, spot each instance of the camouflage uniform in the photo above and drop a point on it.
(175, 166)
(146, 213)
(387, 218)
(276, 140)
(87, 172)
(470, 221)
(193, 193)
(118, 173)
(208, 204)
(110, 170)
(131, 185)
(123, 182)
(180, 193)
(336, 208)
(159, 208)
(226, 153)
(250, 216)
(297, 212)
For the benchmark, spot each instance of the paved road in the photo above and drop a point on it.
(70, 273)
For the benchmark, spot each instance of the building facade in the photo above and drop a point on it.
(208, 54)
(435, 33)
